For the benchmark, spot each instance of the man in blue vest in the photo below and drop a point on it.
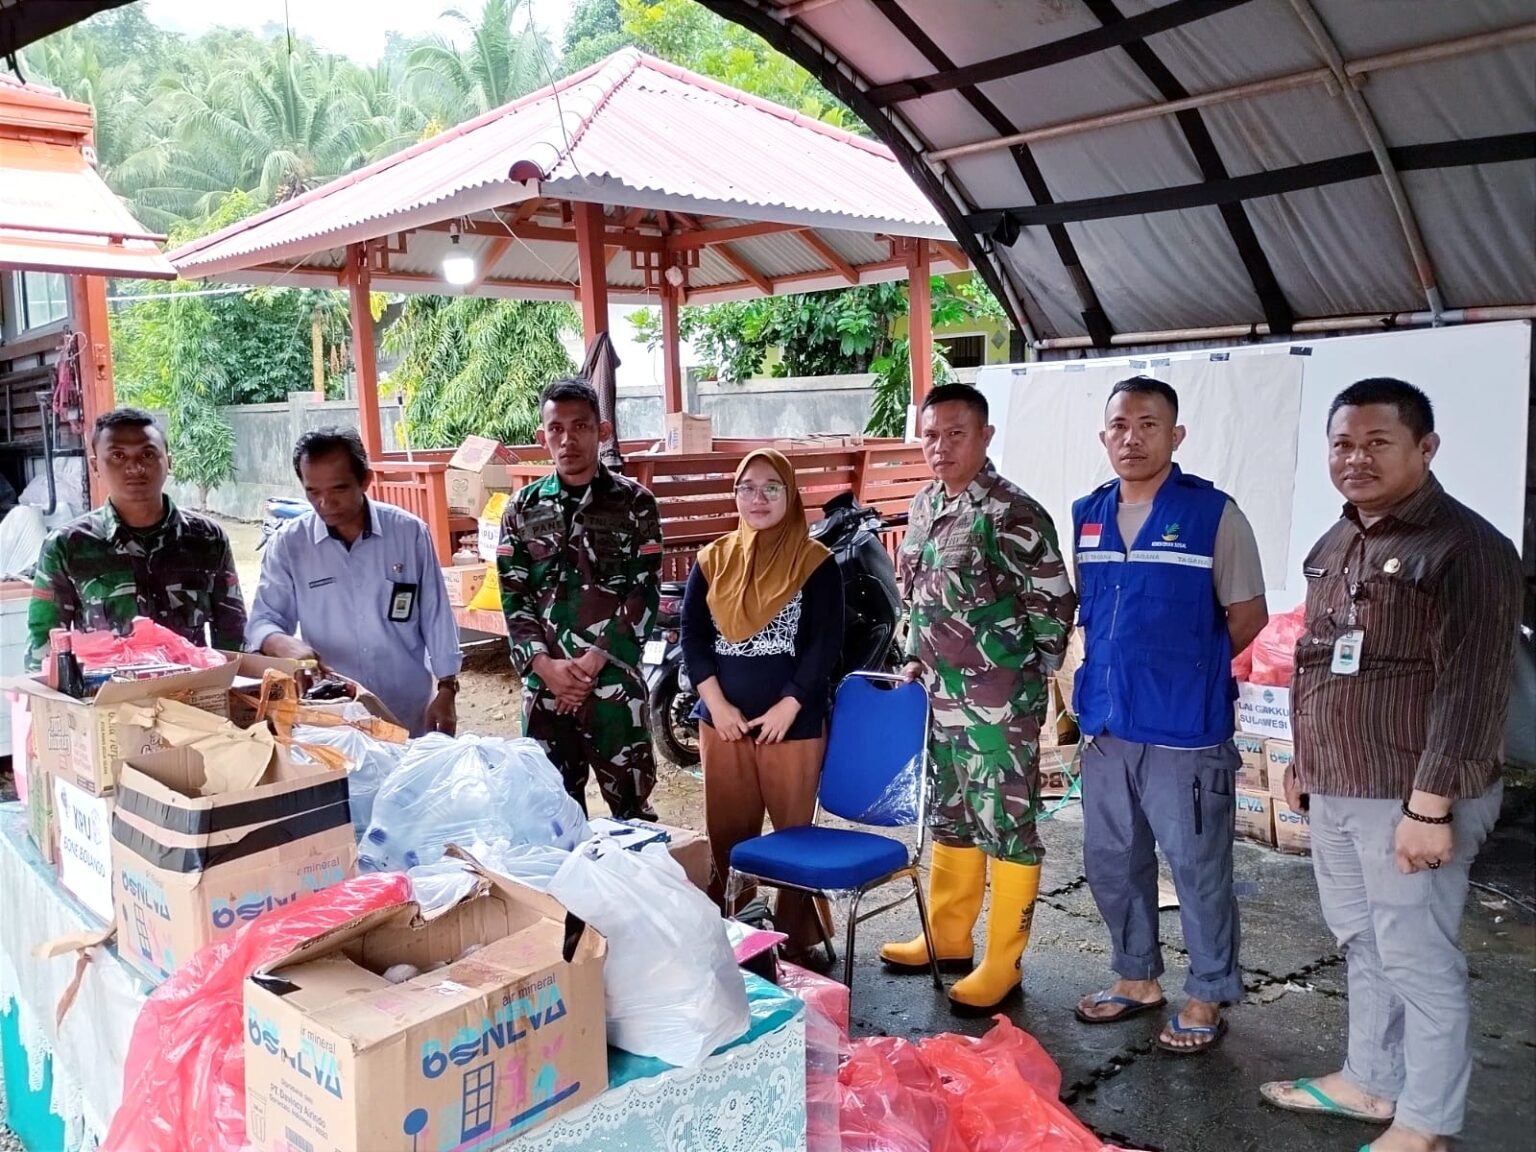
(1169, 587)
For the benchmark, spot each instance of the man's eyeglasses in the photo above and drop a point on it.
(769, 492)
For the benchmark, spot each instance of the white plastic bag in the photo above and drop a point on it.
(369, 762)
(672, 987)
(461, 790)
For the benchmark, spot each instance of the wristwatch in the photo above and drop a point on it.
(448, 684)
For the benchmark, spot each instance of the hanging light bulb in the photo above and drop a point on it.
(458, 265)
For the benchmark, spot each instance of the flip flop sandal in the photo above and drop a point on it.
(1214, 1031)
(1322, 1104)
(1132, 1007)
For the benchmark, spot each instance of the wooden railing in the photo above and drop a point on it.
(693, 491)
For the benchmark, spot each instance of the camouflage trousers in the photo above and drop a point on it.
(984, 791)
(606, 736)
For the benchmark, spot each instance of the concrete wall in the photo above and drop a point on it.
(265, 433)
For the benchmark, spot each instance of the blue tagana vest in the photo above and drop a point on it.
(1158, 666)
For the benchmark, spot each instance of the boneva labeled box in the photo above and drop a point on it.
(1293, 829)
(478, 468)
(687, 432)
(189, 869)
(1251, 773)
(1264, 710)
(465, 1056)
(1256, 816)
(83, 741)
(1278, 755)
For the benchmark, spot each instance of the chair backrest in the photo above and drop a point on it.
(875, 767)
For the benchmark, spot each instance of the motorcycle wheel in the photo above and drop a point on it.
(674, 734)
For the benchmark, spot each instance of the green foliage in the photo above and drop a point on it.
(475, 366)
(501, 62)
(595, 30)
(687, 33)
(201, 441)
(253, 347)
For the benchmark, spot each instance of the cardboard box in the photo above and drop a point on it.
(822, 440)
(1058, 769)
(689, 848)
(189, 869)
(1293, 829)
(1256, 816)
(478, 468)
(252, 666)
(1263, 710)
(1278, 755)
(688, 433)
(83, 824)
(32, 788)
(466, 1056)
(83, 741)
(462, 582)
(1251, 773)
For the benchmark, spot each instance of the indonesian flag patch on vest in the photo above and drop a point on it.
(1090, 536)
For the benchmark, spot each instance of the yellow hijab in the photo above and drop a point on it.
(752, 574)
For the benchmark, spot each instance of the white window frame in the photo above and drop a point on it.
(23, 305)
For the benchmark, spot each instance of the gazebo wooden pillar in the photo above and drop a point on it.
(671, 348)
(364, 355)
(592, 265)
(920, 318)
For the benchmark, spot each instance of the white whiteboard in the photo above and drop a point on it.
(1477, 375)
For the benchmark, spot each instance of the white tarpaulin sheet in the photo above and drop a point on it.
(1241, 415)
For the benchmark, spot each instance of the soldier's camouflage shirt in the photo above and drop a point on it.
(986, 585)
(96, 574)
(579, 571)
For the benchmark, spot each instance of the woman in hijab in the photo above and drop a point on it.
(762, 632)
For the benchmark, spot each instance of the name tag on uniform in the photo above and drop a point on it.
(402, 602)
(1346, 652)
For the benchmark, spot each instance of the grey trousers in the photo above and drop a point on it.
(1137, 798)
(1408, 1011)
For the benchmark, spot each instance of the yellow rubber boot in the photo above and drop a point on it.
(1000, 975)
(957, 880)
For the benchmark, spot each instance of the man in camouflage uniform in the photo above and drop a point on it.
(580, 561)
(990, 609)
(136, 555)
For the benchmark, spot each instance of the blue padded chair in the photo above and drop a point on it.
(877, 748)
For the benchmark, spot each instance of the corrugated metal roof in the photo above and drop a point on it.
(631, 131)
(1137, 166)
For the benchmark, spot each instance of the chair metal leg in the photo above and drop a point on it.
(853, 925)
(922, 917)
(823, 918)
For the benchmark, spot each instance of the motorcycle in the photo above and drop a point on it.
(277, 511)
(871, 617)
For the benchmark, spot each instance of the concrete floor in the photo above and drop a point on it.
(1292, 1022)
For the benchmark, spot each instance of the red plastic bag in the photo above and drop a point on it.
(1274, 649)
(184, 1079)
(147, 643)
(891, 1101)
(950, 1093)
(829, 996)
(1003, 1092)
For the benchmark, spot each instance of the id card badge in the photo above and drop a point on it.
(1346, 652)
(402, 602)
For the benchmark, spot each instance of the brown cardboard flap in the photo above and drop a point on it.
(406, 912)
(592, 942)
(119, 691)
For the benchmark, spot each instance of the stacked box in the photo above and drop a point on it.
(1250, 773)
(1293, 829)
(1256, 817)
(1278, 755)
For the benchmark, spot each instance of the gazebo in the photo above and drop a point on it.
(634, 181)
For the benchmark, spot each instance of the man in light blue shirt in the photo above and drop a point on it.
(360, 582)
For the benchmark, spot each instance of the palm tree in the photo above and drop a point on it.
(498, 65)
(474, 366)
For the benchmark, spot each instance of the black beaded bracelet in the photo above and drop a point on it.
(1412, 815)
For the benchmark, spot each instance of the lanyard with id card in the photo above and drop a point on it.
(1347, 648)
(402, 601)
